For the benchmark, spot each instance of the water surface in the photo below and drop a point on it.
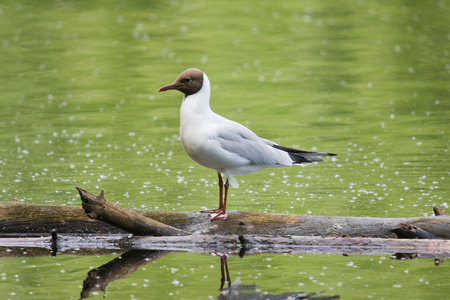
(194, 276)
(369, 81)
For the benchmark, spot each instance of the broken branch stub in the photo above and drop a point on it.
(97, 207)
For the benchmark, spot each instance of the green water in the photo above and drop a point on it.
(192, 276)
(367, 80)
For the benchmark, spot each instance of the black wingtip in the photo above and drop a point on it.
(303, 153)
(299, 159)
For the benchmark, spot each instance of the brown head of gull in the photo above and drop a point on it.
(224, 145)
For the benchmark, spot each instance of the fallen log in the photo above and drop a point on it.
(18, 217)
(243, 233)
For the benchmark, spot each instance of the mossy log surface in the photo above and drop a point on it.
(31, 219)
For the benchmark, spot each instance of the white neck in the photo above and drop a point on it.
(196, 105)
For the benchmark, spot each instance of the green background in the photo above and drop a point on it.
(367, 80)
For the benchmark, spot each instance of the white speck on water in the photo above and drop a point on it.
(307, 18)
(184, 28)
(254, 29)
(351, 264)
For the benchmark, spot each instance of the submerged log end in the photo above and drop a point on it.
(436, 228)
(411, 232)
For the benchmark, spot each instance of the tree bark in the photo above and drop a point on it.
(16, 217)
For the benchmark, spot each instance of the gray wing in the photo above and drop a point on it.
(240, 140)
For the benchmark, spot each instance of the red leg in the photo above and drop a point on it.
(221, 204)
(222, 211)
(219, 213)
(227, 184)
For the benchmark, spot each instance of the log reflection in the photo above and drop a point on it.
(99, 278)
(118, 268)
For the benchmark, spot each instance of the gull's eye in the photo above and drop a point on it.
(188, 79)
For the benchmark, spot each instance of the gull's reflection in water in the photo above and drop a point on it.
(236, 291)
(223, 269)
(98, 279)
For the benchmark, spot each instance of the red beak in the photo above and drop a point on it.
(167, 87)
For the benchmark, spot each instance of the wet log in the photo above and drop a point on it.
(17, 217)
(232, 244)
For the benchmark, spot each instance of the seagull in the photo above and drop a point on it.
(224, 145)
